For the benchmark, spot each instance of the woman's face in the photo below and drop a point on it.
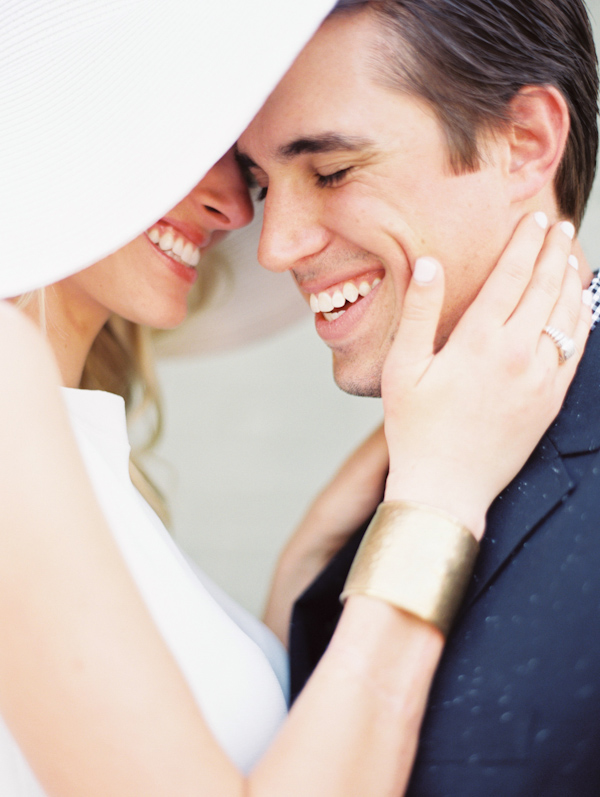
(148, 280)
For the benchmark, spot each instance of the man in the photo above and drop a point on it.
(430, 127)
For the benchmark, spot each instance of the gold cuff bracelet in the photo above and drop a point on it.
(417, 558)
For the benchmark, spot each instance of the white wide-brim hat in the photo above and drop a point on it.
(111, 111)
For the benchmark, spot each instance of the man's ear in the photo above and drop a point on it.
(539, 127)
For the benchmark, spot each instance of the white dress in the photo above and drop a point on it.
(235, 667)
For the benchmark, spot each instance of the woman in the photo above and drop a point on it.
(123, 675)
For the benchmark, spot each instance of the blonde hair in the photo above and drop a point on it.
(121, 361)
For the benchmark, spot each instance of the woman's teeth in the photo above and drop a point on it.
(176, 246)
(330, 304)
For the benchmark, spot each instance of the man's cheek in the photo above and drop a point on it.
(370, 225)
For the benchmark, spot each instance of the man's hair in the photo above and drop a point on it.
(469, 58)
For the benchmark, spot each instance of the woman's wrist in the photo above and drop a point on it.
(417, 558)
(465, 505)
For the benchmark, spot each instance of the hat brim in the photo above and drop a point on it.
(112, 112)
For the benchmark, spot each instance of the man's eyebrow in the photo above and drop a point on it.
(327, 142)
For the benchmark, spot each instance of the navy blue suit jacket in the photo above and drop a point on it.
(515, 705)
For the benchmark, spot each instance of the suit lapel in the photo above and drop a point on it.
(544, 481)
(513, 516)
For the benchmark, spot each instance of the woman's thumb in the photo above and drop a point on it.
(420, 312)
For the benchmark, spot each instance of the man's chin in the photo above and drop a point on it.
(356, 380)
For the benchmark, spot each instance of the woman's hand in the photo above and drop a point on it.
(346, 502)
(461, 422)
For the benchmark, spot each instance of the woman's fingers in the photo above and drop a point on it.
(551, 314)
(414, 344)
(535, 284)
(547, 287)
(565, 312)
(571, 317)
(582, 329)
(578, 252)
(504, 288)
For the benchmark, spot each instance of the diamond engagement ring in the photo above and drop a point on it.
(564, 344)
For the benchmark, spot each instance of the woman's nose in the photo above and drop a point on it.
(221, 197)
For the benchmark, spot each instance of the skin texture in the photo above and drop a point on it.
(399, 198)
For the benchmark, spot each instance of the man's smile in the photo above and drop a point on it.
(336, 299)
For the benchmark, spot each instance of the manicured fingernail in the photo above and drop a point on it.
(541, 219)
(568, 229)
(587, 298)
(425, 270)
(572, 261)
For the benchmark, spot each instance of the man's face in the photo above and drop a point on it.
(359, 186)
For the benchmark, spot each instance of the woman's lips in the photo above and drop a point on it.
(174, 244)
(173, 250)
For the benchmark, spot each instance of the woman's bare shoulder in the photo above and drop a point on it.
(30, 401)
(26, 359)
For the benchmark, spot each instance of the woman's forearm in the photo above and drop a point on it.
(354, 729)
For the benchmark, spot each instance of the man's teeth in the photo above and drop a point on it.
(176, 246)
(351, 292)
(338, 299)
(327, 304)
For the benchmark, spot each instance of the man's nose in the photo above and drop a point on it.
(221, 198)
(291, 230)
